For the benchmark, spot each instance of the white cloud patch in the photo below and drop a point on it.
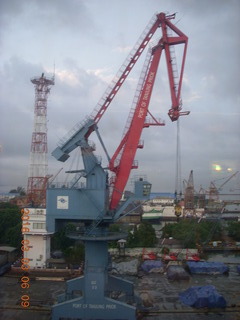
(68, 77)
(125, 49)
(105, 74)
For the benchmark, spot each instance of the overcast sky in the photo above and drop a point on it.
(88, 41)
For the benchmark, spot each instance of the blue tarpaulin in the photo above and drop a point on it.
(238, 268)
(207, 267)
(202, 297)
(149, 265)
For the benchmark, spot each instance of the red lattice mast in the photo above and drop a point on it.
(37, 176)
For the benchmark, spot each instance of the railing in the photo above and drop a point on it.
(73, 131)
(68, 185)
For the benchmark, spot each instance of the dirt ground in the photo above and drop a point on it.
(159, 294)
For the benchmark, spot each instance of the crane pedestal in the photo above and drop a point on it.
(89, 297)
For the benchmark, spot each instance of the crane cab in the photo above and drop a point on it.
(142, 189)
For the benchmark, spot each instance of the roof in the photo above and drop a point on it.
(162, 195)
(7, 248)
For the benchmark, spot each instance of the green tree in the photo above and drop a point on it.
(74, 255)
(14, 236)
(19, 190)
(132, 238)
(60, 241)
(114, 228)
(143, 236)
(234, 230)
(10, 226)
(190, 231)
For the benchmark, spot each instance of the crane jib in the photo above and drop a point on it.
(127, 153)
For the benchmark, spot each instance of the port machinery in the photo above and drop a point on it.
(98, 204)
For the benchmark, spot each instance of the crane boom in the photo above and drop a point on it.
(233, 175)
(122, 170)
(126, 151)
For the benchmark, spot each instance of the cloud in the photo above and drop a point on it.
(45, 14)
(125, 49)
(88, 40)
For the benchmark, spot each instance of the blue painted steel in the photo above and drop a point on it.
(90, 297)
(95, 287)
(74, 204)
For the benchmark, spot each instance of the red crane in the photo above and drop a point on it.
(126, 151)
(123, 161)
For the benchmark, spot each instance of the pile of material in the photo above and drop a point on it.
(177, 272)
(207, 267)
(202, 297)
(153, 266)
(126, 267)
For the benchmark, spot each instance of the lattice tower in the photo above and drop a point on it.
(37, 176)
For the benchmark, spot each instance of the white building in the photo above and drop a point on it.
(37, 239)
(163, 201)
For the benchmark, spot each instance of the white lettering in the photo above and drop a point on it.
(96, 306)
(110, 306)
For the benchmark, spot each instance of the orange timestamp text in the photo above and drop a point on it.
(25, 280)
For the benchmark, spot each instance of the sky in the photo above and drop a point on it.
(86, 42)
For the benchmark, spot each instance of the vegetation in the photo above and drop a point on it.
(74, 255)
(60, 241)
(142, 236)
(11, 224)
(234, 230)
(190, 232)
(114, 228)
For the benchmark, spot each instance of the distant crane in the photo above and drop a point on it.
(189, 209)
(201, 198)
(214, 190)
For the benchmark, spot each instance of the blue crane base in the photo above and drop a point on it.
(89, 297)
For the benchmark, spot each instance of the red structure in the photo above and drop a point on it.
(37, 176)
(123, 159)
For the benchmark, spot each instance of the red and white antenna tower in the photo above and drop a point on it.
(37, 176)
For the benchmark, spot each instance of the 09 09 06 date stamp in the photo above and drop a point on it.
(25, 280)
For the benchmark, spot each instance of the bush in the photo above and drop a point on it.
(143, 236)
(234, 230)
(74, 255)
(189, 231)
(10, 226)
(60, 241)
